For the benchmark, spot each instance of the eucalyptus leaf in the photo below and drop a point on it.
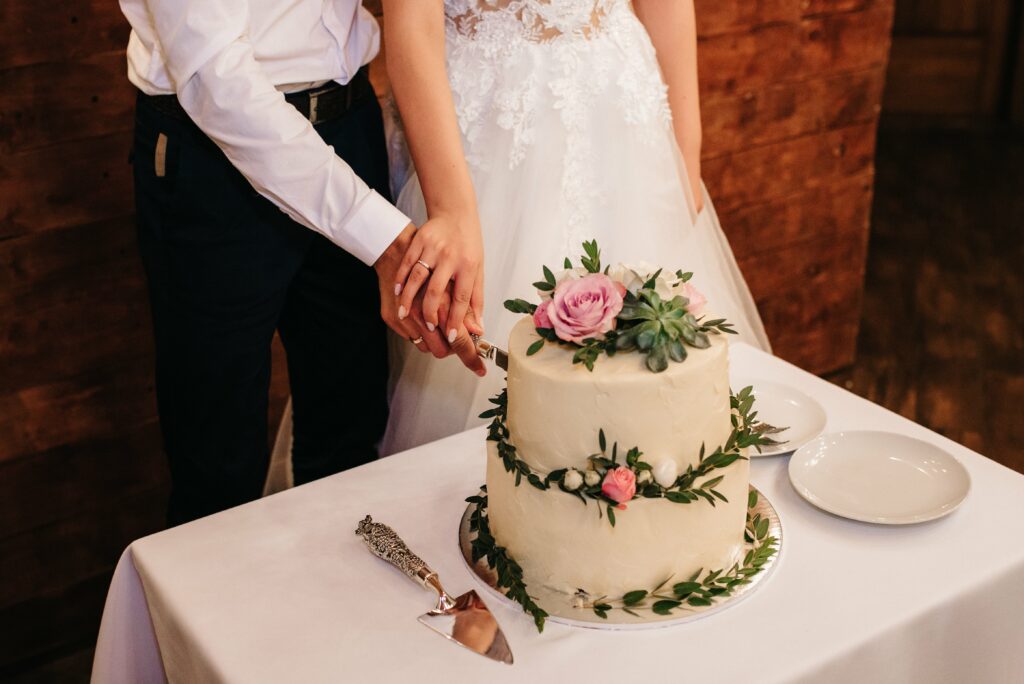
(549, 276)
(665, 606)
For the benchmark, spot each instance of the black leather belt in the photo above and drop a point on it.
(329, 101)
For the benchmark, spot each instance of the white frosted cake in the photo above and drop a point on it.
(555, 412)
(616, 455)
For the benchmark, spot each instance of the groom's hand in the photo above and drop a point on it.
(386, 266)
(412, 325)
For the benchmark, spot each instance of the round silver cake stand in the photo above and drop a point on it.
(559, 604)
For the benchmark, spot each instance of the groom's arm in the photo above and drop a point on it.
(221, 86)
(226, 93)
(672, 27)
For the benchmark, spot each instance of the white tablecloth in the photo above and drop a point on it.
(282, 590)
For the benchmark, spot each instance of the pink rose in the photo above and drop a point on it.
(697, 299)
(584, 308)
(619, 485)
(540, 316)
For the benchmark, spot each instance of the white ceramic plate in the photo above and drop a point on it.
(879, 477)
(784, 406)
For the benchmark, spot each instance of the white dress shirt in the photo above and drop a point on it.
(227, 59)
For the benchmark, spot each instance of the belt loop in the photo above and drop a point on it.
(313, 106)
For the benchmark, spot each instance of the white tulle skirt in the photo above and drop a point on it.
(594, 173)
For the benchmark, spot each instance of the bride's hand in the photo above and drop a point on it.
(445, 249)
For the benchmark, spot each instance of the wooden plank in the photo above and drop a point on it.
(78, 302)
(97, 403)
(935, 74)
(42, 624)
(50, 559)
(78, 182)
(811, 8)
(846, 42)
(809, 296)
(930, 17)
(725, 16)
(72, 477)
(57, 102)
(854, 41)
(68, 30)
(788, 167)
(61, 260)
(995, 65)
(1016, 95)
(790, 109)
(830, 212)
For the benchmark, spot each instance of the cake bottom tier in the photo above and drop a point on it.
(563, 544)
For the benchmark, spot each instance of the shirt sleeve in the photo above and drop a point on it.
(223, 89)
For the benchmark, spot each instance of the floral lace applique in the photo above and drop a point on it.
(512, 61)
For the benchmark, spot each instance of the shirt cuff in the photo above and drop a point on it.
(371, 228)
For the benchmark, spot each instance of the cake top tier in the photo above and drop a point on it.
(595, 310)
(556, 409)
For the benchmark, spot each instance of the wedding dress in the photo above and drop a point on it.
(567, 132)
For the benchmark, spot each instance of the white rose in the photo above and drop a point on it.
(627, 275)
(592, 477)
(665, 472)
(643, 477)
(573, 480)
(633, 277)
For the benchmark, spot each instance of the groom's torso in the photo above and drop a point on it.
(295, 42)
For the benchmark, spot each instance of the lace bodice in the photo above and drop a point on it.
(531, 20)
(550, 77)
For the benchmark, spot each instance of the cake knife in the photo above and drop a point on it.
(492, 352)
(466, 620)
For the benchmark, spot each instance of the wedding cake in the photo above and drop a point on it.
(616, 454)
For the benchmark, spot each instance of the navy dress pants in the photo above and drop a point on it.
(226, 268)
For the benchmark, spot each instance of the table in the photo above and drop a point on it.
(282, 590)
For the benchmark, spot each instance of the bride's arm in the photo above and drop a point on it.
(450, 241)
(673, 31)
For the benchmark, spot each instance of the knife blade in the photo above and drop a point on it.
(465, 620)
(491, 352)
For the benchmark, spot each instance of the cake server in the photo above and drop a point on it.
(492, 352)
(466, 620)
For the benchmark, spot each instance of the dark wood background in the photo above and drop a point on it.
(792, 92)
(950, 58)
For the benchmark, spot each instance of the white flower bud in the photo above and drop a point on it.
(591, 477)
(665, 472)
(573, 480)
(643, 477)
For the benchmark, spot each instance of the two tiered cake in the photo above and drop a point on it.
(616, 455)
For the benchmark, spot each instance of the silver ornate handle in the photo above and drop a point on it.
(385, 543)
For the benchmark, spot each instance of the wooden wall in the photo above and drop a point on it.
(791, 92)
(950, 58)
(81, 472)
